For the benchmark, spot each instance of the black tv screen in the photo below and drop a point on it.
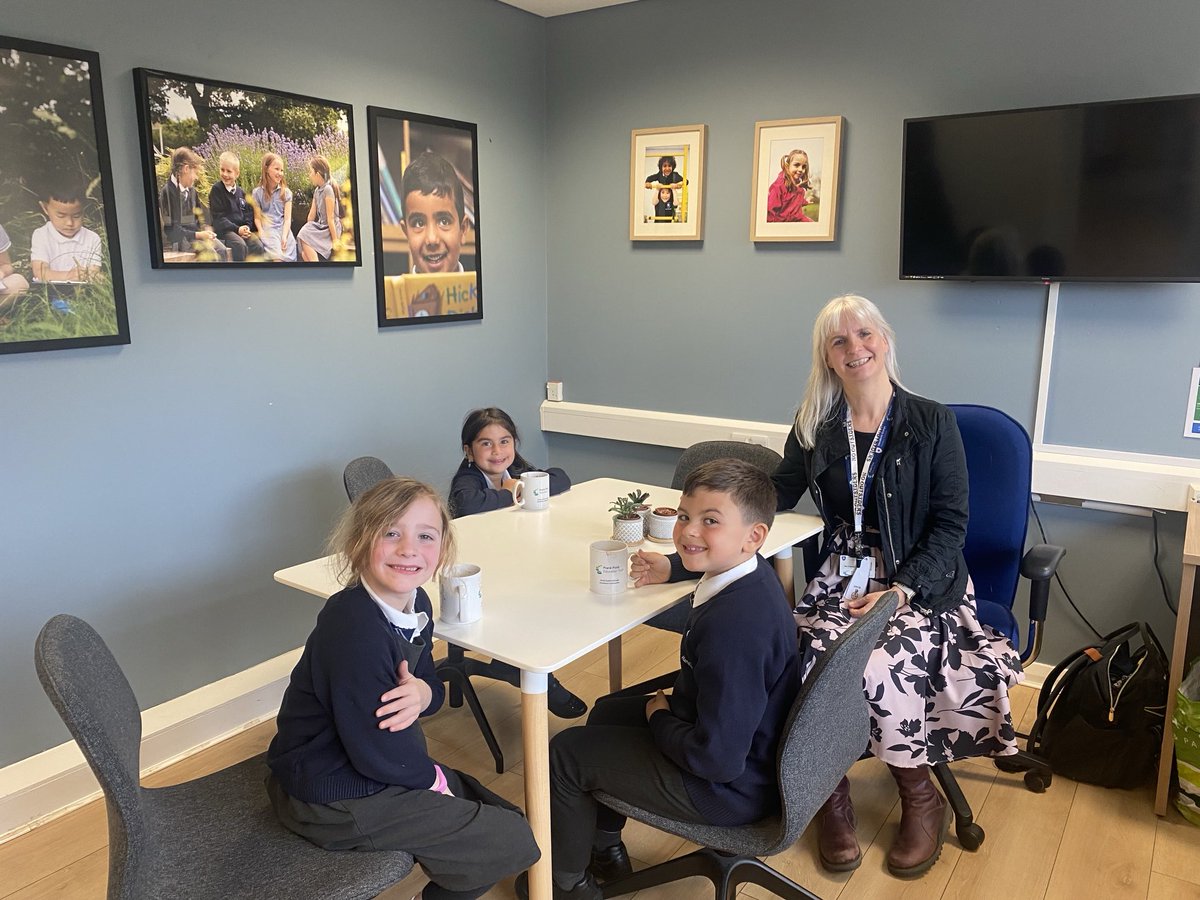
(1091, 192)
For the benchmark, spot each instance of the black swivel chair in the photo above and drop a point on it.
(213, 838)
(360, 475)
(825, 733)
(999, 470)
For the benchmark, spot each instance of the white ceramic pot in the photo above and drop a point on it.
(659, 527)
(631, 531)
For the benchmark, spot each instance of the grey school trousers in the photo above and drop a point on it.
(465, 843)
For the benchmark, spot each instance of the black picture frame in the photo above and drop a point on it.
(249, 122)
(55, 162)
(425, 286)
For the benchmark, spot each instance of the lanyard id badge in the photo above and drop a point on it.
(861, 484)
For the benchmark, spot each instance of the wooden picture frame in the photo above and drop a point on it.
(794, 190)
(425, 171)
(61, 285)
(211, 118)
(666, 183)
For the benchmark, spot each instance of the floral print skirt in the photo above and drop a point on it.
(937, 683)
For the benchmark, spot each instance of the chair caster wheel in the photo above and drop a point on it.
(1038, 781)
(970, 837)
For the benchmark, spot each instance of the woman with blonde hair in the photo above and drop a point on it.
(887, 472)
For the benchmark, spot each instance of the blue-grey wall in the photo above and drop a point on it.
(722, 327)
(153, 489)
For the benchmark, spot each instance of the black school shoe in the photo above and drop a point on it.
(610, 863)
(585, 890)
(562, 702)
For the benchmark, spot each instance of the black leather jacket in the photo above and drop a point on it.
(920, 492)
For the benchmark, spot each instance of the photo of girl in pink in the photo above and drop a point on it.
(792, 190)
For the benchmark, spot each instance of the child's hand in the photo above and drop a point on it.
(405, 702)
(657, 702)
(649, 568)
(512, 485)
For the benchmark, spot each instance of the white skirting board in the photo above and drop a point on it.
(1106, 476)
(42, 787)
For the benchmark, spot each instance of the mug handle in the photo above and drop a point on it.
(519, 493)
(459, 589)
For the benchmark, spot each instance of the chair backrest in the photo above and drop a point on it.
(362, 474)
(828, 727)
(999, 473)
(94, 699)
(706, 451)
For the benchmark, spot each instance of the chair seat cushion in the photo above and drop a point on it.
(757, 839)
(218, 836)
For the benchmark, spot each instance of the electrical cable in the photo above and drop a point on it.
(1157, 568)
(1058, 576)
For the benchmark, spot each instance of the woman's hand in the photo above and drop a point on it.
(657, 702)
(649, 568)
(405, 702)
(860, 606)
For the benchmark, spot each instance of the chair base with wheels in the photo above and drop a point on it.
(456, 671)
(726, 871)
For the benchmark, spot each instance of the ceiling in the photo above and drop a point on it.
(548, 8)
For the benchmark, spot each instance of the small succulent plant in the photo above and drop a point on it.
(629, 506)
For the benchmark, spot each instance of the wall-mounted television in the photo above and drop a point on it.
(1089, 192)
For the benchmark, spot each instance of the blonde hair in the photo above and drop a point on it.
(793, 185)
(823, 394)
(232, 158)
(268, 160)
(353, 538)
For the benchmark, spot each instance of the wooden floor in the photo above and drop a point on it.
(1074, 841)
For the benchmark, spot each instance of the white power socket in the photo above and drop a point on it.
(748, 437)
(554, 390)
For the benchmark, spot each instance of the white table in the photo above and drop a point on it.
(538, 613)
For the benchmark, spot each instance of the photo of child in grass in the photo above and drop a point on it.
(207, 148)
(60, 265)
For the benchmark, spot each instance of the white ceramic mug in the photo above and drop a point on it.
(535, 491)
(462, 594)
(609, 567)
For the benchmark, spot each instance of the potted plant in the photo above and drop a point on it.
(628, 524)
(661, 524)
(639, 498)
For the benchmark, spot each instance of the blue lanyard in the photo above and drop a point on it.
(860, 485)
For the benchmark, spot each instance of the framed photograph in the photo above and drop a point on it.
(795, 188)
(60, 261)
(666, 184)
(425, 190)
(239, 175)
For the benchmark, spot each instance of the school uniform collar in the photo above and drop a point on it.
(406, 619)
(711, 585)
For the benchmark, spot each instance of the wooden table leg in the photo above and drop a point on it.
(1179, 659)
(785, 570)
(614, 664)
(535, 732)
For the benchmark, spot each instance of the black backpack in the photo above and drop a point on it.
(1101, 710)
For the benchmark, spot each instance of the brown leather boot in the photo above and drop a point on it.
(924, 819)
(836, 840)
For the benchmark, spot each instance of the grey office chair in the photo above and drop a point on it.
(361, 475)
(826, 733)
(706, 451)
(214, 837)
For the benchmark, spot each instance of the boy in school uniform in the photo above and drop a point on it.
(705, 752)
(180, 210)
(64, 249)
(233, 218)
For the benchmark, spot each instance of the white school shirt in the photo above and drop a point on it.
(5, 240)
(406, 618)
(711, 585)
(61, 253)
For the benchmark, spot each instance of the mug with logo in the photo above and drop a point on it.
(608, 567)
(462, 595)
(535, 491)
